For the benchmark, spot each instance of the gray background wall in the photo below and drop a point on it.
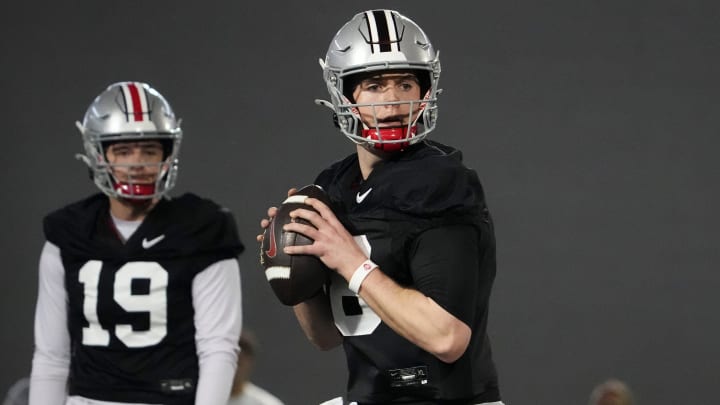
(593, 125)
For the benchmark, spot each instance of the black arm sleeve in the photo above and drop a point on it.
(445, 264)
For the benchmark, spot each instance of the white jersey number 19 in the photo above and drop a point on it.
(154, 303)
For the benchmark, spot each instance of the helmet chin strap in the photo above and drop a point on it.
(385, 134)
(137, 192)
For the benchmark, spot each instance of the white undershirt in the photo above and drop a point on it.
(126, 228)
(218, 319)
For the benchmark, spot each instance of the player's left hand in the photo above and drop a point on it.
(265, 222)
(333, 244)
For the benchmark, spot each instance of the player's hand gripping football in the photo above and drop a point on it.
(333, 244)
(265, 222)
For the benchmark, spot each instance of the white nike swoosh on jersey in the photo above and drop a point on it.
(360, 197)
(147, 244)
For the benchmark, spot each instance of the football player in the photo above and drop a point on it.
(409, 235)
(139, 293)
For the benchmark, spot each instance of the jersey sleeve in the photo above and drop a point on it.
(51, 358)
(445, 263)
(218, 320)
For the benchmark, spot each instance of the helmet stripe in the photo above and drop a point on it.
(392, 31)
(136, 101)
(383, 37)
(383, 31)
(137, 109)
(144, 101)
(372, 30)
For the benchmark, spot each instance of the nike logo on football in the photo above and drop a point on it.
(147, 244)
(361, 197)
(272, 250)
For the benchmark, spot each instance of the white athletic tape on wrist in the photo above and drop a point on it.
(360, 273)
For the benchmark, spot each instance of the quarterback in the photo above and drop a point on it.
(408, 233)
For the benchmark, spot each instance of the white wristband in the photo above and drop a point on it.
(359, 276)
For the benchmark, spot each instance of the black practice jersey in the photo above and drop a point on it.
(422, 217)
(130, 308)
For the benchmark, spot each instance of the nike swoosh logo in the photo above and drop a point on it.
(147, 244)
(272, 250)
(361, 197)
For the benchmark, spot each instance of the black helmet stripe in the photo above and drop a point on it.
(383, 31)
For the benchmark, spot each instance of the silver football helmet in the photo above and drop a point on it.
(130, 111)
(376, 41)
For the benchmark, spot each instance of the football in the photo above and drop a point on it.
(293, 278)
